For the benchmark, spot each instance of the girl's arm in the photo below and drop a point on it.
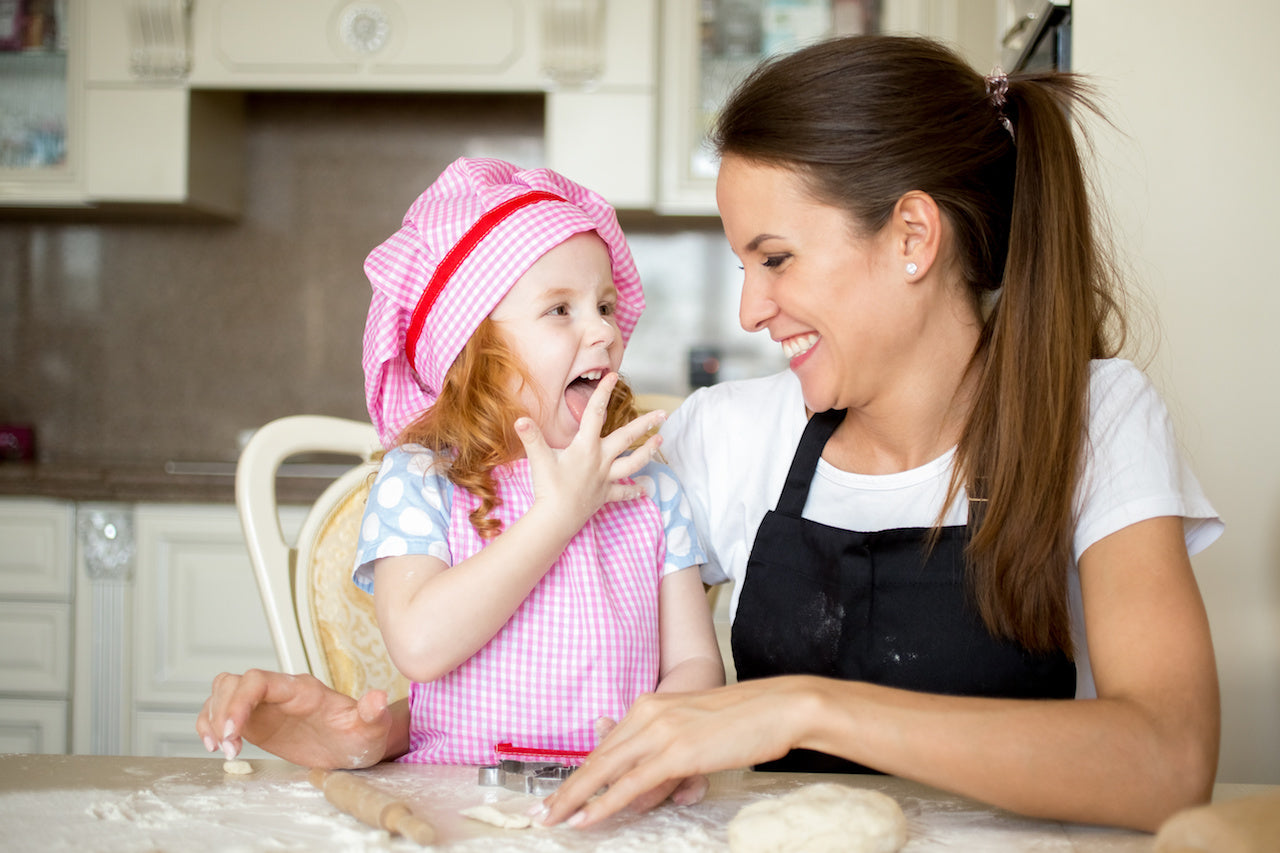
(432, 619)
(690, 654)
(1146, 747)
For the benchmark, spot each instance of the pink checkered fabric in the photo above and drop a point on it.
(400, 268)
(583, 645)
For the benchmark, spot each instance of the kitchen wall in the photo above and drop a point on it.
(1192, 179)
(165, 340)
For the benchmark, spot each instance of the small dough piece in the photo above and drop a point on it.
(237, 766)
(497, 817)
(822, 818)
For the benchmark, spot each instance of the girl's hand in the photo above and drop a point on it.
(584, 476)
(667, 740)
(299, 719)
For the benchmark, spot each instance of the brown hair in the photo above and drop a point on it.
(864, 120)
(471, 427)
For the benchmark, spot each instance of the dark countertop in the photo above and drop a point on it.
(151, 482)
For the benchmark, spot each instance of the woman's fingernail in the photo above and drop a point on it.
(228, 730)
(577, 819)
(229, 749)
(538, 812)
(210, 744)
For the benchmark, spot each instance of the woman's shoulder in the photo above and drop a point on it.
(1120, 390)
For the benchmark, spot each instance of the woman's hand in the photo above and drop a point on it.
(666, 742)
(584, 476)
(301, 720)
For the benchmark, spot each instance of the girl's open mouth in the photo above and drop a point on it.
(579, 392)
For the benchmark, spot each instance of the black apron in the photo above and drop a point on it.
(877, 607)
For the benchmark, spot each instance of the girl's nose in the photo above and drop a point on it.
(602, 334)
(755, 307)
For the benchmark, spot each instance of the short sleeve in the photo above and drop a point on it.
(1135, 468)
(683, 546)
(407, 512)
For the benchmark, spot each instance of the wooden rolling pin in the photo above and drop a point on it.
(1248, 825)
(358, 798)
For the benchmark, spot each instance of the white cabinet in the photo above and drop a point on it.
(131, 132)
(36, 559)
(196, 612)
(148, 138)
(413, 44)
(40, 112)
(708, 48)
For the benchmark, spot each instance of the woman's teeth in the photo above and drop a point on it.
(793, 347)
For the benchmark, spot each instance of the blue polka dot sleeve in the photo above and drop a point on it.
(684, 549)
(407, 512)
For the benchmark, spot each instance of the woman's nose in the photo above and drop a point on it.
(755, 307)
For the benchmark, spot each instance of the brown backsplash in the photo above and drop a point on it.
(156, 339)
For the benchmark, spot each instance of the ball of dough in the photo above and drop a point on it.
(822, 818)
(238, 766)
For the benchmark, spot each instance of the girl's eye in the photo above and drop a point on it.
(559, 311)
(607, 309)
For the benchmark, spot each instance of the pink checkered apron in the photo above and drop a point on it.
(583, 645)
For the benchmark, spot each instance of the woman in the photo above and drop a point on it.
(977, 574)
(987, 520)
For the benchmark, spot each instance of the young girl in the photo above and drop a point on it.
(530, 576)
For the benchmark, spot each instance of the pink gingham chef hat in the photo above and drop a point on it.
(461, 247)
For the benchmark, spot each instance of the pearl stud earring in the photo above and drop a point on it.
(911, 268)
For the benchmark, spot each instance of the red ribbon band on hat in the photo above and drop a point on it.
(454, 258)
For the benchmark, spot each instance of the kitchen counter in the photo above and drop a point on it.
(113, 803)
(158, 482)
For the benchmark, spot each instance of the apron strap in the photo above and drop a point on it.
(795, 491)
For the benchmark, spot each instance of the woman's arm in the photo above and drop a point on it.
(301, 720)
(1144, 748)
(432, 619)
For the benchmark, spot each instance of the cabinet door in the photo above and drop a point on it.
(407, 44)
(41, 74)
(36, 542)
(33, 726)
(197, 611)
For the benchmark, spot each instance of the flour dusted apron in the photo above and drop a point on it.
(584, 644)
(878, 607)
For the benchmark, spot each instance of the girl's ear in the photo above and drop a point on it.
(918, 233)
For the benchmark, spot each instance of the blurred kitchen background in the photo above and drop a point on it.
(188, 191)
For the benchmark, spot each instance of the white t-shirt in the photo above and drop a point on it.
(731, 445)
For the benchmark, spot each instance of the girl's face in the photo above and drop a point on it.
(559, 318)
(832, 299)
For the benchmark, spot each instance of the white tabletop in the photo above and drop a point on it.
(110, 803)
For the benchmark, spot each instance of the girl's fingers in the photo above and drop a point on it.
(597, 407)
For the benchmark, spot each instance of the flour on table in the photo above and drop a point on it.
(822, 818)
(237, 766)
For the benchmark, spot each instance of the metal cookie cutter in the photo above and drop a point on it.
(530, 770)
(538, 778)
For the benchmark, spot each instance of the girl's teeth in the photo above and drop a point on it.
(792, 347)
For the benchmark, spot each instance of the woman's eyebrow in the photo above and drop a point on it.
(760, 238)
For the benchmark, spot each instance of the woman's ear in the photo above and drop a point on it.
(918, 235)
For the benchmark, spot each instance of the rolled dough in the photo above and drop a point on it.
(238, 766)
(822, 818)
(497, 817)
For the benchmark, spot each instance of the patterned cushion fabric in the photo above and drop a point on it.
(342, 613)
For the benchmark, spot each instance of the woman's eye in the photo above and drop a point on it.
(775, 261)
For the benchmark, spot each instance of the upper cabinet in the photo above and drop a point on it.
(40, 90)
(709, 47)
(130, 133)
(595, 60)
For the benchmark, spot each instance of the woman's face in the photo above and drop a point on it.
(559, 318)
(836, 302)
